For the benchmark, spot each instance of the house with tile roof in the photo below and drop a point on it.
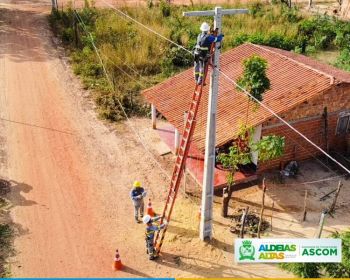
(302, 90)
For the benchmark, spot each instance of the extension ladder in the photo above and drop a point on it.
(182, 156)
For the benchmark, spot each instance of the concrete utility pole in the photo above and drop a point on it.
(209, 162)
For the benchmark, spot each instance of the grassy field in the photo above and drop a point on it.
(136, 59)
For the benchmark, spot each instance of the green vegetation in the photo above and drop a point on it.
(126, 48)
(329, 270)
(239, 153)
(254, 78)
(6, 234)
(256, 82)
(343, 61)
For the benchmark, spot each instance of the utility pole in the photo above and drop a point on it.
(209, 161)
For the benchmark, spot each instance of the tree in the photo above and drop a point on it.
(256, 82)
(254, 78)
(269, 147)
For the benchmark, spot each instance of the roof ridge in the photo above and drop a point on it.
(297, 62)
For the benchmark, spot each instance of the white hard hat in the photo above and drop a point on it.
(205, 27)
(146, 219)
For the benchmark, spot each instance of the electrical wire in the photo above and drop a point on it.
(237, 85)
(129, 67)
(146, 27)
(119, 102)
(312, 182)
(121, 105)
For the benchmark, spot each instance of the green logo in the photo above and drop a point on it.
(246, 251)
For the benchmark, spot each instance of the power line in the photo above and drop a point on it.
(286, 123)
(127, 74)
(121, 105)
(146, 27)
(308, 152)
(119, 102)
(312, 182)
(240, 87)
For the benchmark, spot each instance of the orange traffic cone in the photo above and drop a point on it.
(117, 265)
(149, 208)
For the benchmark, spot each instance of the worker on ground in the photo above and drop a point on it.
(150, 231)
(202, 51)
(137, 194)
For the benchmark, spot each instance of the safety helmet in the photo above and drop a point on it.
(137, 184)
(205, 27)
(146, 219)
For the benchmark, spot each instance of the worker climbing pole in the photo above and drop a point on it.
(207, 197)
(183, 151)
(209, 158)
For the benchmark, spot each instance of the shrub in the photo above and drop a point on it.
(320, 31)
(342, 39)
(67, 35)
(331, 270)
(280, 41)
(291, 15)
(257, 38)
(6, 235)
(165, 8)
(343, 61)
(256, 9)
(303, 270)
(340, 270)
(240, 39)
(123, 44)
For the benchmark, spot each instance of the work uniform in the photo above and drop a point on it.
(202, 55)
(137, 195)
(150, 231)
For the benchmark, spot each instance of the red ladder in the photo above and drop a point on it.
(181, 157)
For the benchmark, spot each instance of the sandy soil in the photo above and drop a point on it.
(71, 173)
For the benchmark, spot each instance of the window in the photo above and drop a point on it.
(343, 123)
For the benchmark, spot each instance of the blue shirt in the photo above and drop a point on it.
(205, 40)
(151, 229)
(135, 192)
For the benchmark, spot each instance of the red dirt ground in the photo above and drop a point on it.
(71, 174)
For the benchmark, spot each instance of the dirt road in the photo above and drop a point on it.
(52, 210)
(70, 174)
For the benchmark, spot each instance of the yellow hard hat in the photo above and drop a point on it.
(137, 184)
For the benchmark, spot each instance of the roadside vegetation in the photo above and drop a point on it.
(137, 59)
(5, 247)
(6, 232)
(328, 270)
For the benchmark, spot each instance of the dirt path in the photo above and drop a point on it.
(52, 210)
(70, 174)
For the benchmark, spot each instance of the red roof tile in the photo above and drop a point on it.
(294, 78)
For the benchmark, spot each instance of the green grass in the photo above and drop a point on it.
(6, 236)
(126, 47)
(327, 56)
